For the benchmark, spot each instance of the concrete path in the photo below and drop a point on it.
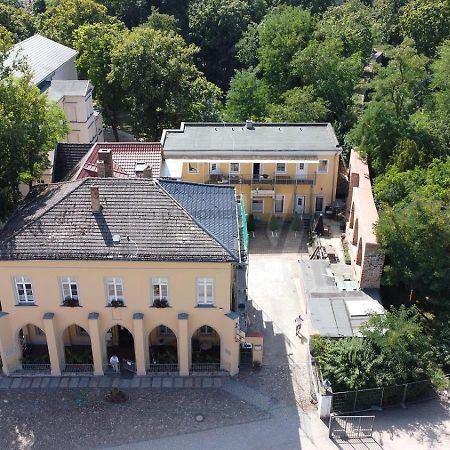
(110, 381)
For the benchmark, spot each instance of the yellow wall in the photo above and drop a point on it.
(136, 277)
(324, 184)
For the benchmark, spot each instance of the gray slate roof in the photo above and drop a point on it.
(43, 55)
(213, 207)
(237, 138)
(59, 224)
(67, 156)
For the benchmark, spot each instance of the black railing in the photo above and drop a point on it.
(264, 179)
(162, 368)
(205, 367)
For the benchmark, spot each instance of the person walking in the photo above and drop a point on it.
(115, 363)
(298, 324)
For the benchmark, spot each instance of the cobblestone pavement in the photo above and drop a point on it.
(81, 418)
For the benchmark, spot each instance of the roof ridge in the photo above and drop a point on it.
(166, 180)
(195, 220)
(27, 225)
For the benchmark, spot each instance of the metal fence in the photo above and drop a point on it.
(36, 367)
(165, 368)
(348, 427)
(79, 368)
(378, 398)
(205, 367)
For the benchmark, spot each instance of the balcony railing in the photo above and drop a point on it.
(264, 179)
(162, 368)
(79, 368)
(205, 367)
(36, 367)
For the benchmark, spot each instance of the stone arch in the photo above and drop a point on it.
(359, 253)
(76, 342)
(205, 349)
(355, 233)
(163, 349)
(33, 348)
(119, 341)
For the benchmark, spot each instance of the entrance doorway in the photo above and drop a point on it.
(300, 204)
(319, 204)
(120, 342)
(257, 169)
(302, 170)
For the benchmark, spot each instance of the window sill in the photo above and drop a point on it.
(66, 306)
(160, 307)
(26, 304)
(205, 306)
(110, 306)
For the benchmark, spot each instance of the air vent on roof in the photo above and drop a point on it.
(116, 238)
(249, 125)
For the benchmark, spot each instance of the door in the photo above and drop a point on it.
(256, 170)
(214, 169)
(300, 204)
(319, 204)
(302, 170)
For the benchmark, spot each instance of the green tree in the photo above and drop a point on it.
(95, 44)
(351, 23)
(17, 21)
(60, 20)
(162, 22)
(216, 26)
(282, 33)
(131, 12)
(299, 105)
(415, 237)
(427, 22)
(333, 76)
(247, 98)
(30, 126)
(398, 91)
(162, 84)
(247, 47)
(387, 13)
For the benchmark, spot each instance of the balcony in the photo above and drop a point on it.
(264, 179)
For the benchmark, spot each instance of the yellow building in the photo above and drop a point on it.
(152, 272)
(278, 168)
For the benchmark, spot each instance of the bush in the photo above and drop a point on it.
(116, 396)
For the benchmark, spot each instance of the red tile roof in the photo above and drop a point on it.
(125, 157)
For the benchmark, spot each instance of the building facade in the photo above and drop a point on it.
(278, 169)
(128, 267)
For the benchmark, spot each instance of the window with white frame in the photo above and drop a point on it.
(24, 290)
(114, 288)
(323, 166)
(165, 331)
(281, 168)
(234, 167)
(192, 167)
(69, 289)
(205, 291)
(279, 204)
(206, 329)
(160, 289)
(257, 205)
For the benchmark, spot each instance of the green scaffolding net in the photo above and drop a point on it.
(244, 223)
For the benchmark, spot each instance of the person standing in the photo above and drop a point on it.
(298, 324)
(115, 363)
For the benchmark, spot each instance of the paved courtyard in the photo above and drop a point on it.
(266, 409)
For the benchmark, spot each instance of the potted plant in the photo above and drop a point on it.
(71, 302)
(161, 303)
(116, 303)
(116, 396)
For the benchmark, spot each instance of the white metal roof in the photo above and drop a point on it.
(43, 56)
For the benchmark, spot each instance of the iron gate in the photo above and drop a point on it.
(348, 427)
(129, 365)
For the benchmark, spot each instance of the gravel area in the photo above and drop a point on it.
(77, 419)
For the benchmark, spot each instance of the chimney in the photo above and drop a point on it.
(147, 172)
(95, 199)
(101, 168)
(249, 125)
(105, 155)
